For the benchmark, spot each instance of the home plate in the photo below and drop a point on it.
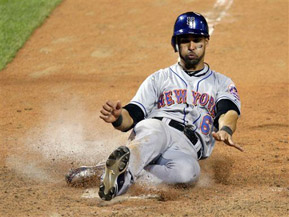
(93, 193)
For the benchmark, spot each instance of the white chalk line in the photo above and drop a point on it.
(93, 193)
(218, 12)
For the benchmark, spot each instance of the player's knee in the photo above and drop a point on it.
(189, 173)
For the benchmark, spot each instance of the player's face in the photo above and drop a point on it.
(192, 51)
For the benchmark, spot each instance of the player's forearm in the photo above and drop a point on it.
(125, 121)
(229, 119)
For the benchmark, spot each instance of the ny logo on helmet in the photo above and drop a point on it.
(190, 22)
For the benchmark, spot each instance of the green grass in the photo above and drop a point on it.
(18, 19)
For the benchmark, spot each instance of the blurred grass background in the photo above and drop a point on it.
(18, 20)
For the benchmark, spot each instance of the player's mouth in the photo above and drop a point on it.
(192, 56)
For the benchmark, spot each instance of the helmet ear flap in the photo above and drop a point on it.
(177, 44)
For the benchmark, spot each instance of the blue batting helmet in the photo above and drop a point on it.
(189, 23)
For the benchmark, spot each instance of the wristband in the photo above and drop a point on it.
(118, 122)
(227, 129)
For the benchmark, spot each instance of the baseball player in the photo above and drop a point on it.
(176, 116)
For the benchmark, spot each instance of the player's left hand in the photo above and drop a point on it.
(226, 138)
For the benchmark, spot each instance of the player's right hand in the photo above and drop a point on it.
(223, 136)
(110, 111)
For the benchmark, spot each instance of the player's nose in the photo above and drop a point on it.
(192, 45)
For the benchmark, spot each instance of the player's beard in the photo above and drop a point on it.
(192, 63)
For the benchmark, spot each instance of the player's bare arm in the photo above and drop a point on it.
(227, 126)
(112, 112)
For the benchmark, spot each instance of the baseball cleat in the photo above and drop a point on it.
(115, 168)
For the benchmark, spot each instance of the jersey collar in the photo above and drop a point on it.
(198, 73)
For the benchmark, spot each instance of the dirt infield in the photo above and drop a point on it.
(89, 51)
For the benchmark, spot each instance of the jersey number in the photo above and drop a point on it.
(206, 124)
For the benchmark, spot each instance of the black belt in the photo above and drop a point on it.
(186, 130)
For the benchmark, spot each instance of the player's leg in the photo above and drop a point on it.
(175, 167)
(116, 177)
(151, 137)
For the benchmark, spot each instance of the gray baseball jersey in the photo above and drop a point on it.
(191, 100)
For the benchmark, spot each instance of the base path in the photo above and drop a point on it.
(89, 51)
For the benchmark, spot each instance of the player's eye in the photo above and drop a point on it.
(197, 40)
(184, 40)
(188, 40)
